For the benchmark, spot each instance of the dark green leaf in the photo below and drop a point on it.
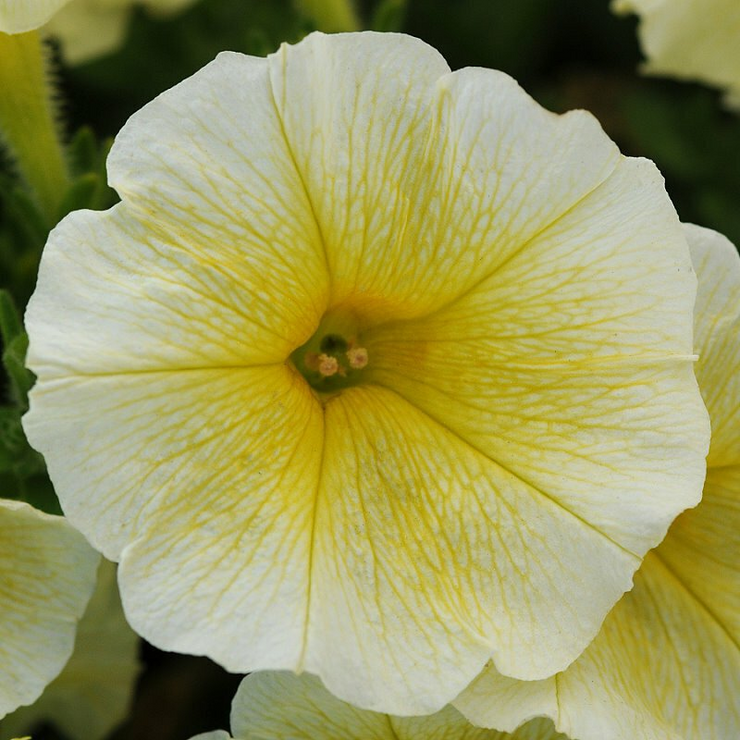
(83, 151)
(389, 15)
(81, 194)
(21, 379)
(10, 320)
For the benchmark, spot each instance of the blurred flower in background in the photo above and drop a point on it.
(282, 705)
(94, 690)
(691, 39)
(88, 29)
(47, 575)
(19, 16)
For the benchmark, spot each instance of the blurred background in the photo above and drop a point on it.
(567, 54)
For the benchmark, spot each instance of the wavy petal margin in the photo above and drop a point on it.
(666, 664)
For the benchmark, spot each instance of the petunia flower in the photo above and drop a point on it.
(93, 692)
(47, 574)
(276, 706)
(91, 28)
(666, 664)
(691, 39)
(377, 371)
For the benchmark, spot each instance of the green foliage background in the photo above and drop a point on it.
(567, 54)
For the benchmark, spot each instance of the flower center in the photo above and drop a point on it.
(334, 357)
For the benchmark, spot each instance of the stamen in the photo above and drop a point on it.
(328, 365)
(332, 359)
(357, 357)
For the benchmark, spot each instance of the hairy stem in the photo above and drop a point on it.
(28, 125)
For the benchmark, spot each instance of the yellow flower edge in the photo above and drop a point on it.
(666, 664)
(47, 574)
(378, 371)
(89, 29)
(93, 692)
(691, 39)
(275, 706)
(19, 16)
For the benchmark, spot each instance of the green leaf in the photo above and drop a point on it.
(23, 475)
(10, 320)
(81, 194)
(21, 379)
(83, 151)
(389, 15)
(21, 211)
(16, 455)
(12, 439)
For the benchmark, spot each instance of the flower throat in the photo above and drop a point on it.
(333, 357)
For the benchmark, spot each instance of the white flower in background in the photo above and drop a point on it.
(19, 16)
(278, 706)
(85, 28)
(691, 39)
(666, 665)
(47, 574)
(93, 692)
(91, 28)
(378, 371)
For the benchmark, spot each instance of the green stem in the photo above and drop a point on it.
(27, 120)
(331, 15)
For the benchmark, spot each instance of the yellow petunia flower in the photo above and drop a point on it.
(666, 665)
(93, 692)
(378, 371)
(47, 574)
(91, 28)
(691, 39)
(276, 706)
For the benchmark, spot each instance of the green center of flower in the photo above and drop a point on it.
(334, 357)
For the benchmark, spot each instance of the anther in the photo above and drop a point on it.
(328, 365)
(357, 357)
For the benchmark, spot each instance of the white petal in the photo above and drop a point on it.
(47, 573)
(570, 368)
(692, 39)
(130, 300)
(195, 269)
(717, 330)
(356, 111)
(220, 559)
(93, 692)
(429, 558)
(281, 705)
